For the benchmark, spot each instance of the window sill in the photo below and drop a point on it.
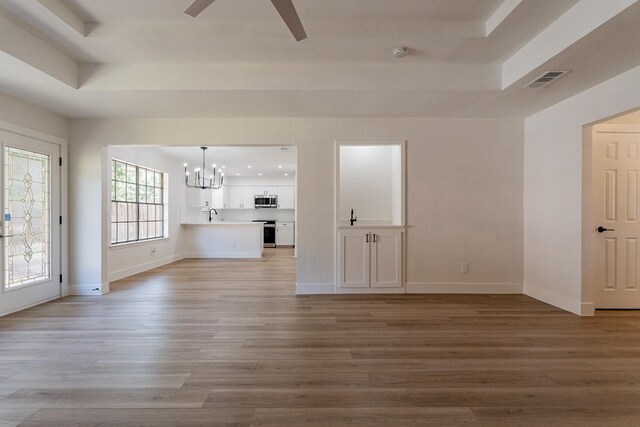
(141, 243)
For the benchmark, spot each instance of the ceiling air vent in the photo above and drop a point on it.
(288, 149)
(547, 78)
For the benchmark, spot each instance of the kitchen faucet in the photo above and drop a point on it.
(352, 219)
(212, 209)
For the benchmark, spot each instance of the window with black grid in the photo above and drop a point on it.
(137, 203)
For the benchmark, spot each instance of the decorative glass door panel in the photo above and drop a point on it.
(27, 244)
(29, 218)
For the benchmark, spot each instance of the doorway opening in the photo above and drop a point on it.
(169, 204)
(611, 227)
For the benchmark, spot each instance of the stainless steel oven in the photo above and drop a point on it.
(262, 201)
(269, 233)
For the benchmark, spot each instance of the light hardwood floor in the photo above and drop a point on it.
(225, 342)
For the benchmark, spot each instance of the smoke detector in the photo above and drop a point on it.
(400, 52)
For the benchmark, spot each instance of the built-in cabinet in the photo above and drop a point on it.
(286, 197)
(265, 191)
(285, 233)
(197, 198)
(239, 197)
(370, 258)
(221, 197)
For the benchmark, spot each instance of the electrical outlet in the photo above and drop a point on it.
(153, 251)
(464, 267)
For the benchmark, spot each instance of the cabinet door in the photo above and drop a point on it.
(219, 198)
(259, 191)
(354, 258)
(206, 198)
(271, 191)
(248, 198)
(286, 197)
(284, 236)
(235, 197)
(386, 259)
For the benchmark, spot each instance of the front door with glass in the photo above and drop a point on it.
(30, 206)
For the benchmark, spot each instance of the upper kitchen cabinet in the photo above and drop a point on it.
(265, 191)
(221, 197)
(197, 198)
(241, 198)
(371, 182)
(286, 197)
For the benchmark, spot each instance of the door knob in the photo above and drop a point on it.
(601, 229)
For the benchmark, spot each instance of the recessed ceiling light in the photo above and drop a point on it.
(280, 166)
(286, 174)
(224, 166)
(249, 166)
(260, 174)
(237, 174)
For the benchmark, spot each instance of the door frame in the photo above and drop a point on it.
(63, 145)
(589, 235)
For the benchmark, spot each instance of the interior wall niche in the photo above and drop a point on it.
(370, 183)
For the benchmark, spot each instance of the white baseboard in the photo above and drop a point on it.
(141, 268)
(24, 307)
(227, 255)
(369, 291)
(554, 299)
(85, 289)
(315, 288)
(587, 309)
(463, 288)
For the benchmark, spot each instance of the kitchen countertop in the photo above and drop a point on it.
(372, 227)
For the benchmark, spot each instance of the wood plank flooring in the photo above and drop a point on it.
(226, 342)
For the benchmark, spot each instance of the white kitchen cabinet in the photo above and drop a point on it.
(355, 259)
(285, 231)
(370, 258)
(220, 197)
(265, 191)
(386, 258)
(286, 197)
(248, 198)
(197, 198)
(241, 198)
(235, 198)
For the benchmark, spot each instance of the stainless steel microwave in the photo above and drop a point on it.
(262, 201)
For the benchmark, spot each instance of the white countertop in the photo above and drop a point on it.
(372, 227)
(221, 223)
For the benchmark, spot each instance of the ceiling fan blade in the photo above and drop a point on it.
(197, 7)
(287, 11)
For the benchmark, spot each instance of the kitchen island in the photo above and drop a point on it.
(223, 239)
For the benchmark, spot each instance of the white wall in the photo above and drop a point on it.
(464, 191)
(21, 113)
(125, 260)
(366, 182)
(555, 193)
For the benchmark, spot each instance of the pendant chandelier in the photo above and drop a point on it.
(213, 183)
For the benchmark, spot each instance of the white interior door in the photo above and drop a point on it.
(30, 206)
(616, 176)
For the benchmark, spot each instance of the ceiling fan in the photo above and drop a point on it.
(285, 8)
